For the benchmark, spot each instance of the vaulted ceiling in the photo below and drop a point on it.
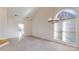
(22, 12)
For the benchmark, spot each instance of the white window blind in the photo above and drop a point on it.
(69, 31)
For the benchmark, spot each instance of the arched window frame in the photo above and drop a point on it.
(60, 20)
(66, 12)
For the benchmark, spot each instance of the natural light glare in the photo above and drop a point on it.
(70, 11)
(21, 30)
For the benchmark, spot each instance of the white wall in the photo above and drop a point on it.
(12, 27)
(40, 25)
(77, 26)
(3, 22)
(28, 27)
(43, 29)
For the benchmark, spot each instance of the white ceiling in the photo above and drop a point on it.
(22, 11)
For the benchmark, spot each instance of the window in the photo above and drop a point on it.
(69, 31)
(65, 29)
(58, 31)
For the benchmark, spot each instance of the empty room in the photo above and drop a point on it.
(39, 28)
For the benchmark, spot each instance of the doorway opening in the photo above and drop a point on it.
(20, 30)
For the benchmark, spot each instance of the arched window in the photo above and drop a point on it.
(65, 14)
(64, 29)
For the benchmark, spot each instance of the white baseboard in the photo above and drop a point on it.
(59, 42)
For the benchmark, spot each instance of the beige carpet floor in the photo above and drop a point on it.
(34, 44)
